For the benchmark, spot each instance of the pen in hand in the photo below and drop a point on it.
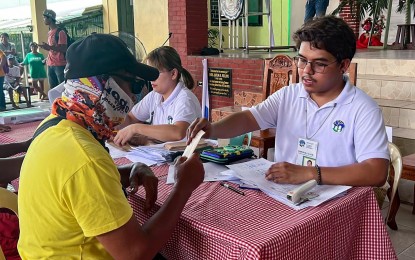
(232, 188)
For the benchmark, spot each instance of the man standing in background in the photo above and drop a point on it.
(315, 8)
(3, 62)
(7, 47)
(56, 47)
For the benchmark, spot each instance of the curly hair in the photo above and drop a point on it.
(328, 33)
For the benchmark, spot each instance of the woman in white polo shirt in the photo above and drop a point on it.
(165, 113)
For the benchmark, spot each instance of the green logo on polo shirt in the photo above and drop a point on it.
(338, 126)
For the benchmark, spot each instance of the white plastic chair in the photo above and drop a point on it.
(8, 200)
(396, 161)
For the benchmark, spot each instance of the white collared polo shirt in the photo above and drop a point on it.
(181, 105)
(348, 129)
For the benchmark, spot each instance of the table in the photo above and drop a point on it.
(408, 172)
(217, 223)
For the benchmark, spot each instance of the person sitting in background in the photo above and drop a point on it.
(165, 113)
(87, 211)
(324, 111)
(12, 82)
(35, 61)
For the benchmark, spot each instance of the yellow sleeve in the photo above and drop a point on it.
(95, 198)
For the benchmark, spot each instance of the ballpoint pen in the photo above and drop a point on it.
(232, 188)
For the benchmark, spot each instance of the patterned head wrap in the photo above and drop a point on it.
(96, 103)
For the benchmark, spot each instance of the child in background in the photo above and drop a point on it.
(37, 71)
(12, 82)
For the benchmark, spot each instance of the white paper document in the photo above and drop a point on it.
(192, 146)
(115, 152)
(213, 172)
(254, 172)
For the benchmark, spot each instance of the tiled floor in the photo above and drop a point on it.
(403, 239)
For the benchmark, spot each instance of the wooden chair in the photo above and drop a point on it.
(279, 71)
(8, 200)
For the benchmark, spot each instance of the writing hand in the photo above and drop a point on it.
(284, 172)
(125, 134)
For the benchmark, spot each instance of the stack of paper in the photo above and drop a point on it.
(151, 155)
(253, 172)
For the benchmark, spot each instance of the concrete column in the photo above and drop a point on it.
(110, 15)
(40, 30)
(188, 21)
(151, 23)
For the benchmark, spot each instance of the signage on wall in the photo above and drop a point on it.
(220, 82)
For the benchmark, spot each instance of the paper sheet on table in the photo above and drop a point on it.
(254, 172)
(138, 158)
(154, 153)
(213, 172)
(115, 152)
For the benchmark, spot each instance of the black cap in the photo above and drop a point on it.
(49, 14)
(99, 54)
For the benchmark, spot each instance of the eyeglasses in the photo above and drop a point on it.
(316, 66)
(137, 84)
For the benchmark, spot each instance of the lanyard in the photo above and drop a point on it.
(306, 121)
(151, 118)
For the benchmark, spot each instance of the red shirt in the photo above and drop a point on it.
(56, 58)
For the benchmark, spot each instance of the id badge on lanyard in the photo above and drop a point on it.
(306, 152)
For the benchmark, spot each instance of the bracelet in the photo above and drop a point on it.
(318, 174)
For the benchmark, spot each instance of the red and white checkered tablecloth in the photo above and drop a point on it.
(20, 132)
(217, 223)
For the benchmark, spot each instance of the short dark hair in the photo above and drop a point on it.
(329, 33)
(33, 44)
(4, 35)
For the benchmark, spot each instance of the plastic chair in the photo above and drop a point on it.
(8, 200)
(239, 140)
(396, 161)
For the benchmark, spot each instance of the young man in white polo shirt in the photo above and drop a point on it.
(324, 118)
